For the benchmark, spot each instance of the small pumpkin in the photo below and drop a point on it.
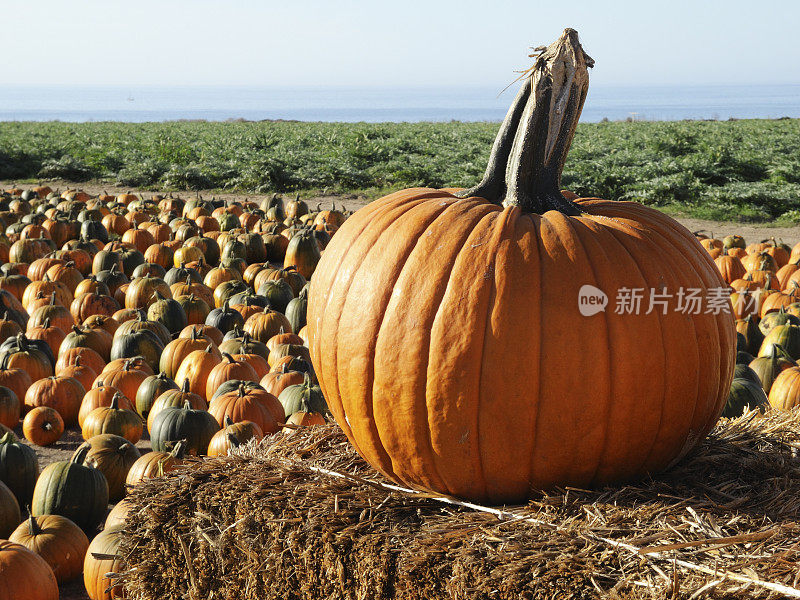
(59, 541)
(32, 578)
(744, 395)
(150, 389)
(304, 397)
(256, 405)
(43, 426)
(196, 367)
(113, 419)
(233, 436)
(19, 467)
(113, 456)
(156, 464)
(302, 419)
(172, 424)
(103, 559)
(72, 490)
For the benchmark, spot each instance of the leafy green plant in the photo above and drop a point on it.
(746, 170)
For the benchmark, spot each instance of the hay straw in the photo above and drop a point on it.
(303, 516)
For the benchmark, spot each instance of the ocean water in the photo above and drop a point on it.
(139, 104)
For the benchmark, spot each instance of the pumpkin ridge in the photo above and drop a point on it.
(725, 330)
(465, 300)
(450, 229)
(672, 260)
(330, 275)
(618, 231)
(685, 271)
(504, 231)
(375, 225)
(596, 258)
(621, 238)
(420, 216)
(623, 358)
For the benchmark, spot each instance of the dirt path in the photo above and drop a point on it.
(750, 232)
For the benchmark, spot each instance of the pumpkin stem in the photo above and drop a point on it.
(492, 186)
(80, 453)
(543, 126)
(33, 526)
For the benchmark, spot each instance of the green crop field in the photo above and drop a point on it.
(738, 170)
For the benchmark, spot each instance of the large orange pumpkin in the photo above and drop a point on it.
(425, 301)
(25, 574)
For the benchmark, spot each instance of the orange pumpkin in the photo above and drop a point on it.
(63, 394)
(43, 426)
(156, 464)
(229, 368)
(59, 541)
(100, 396)
(415, 368)
(258, 406)
(196, 367)
(26, 574)
(102, 559)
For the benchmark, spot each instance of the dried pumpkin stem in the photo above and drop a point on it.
(559, 83)
(493, 185)
(530, 149)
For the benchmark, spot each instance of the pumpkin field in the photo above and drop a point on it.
(244, 397)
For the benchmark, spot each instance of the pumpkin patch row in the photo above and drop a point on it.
(764, 280)
(126, 317)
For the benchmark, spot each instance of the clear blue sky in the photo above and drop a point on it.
(407, 43)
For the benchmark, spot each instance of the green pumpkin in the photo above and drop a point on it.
(143, 343)
(170, 425)
(787, 336)
(225, 319)
(234, 249)
(19, 467)
(767, 368)
(182, 274)
(228, 221)
(168, 312)
(296, 310)
(733, 241)
(243, 344)
(744, 395)
(752, 334)
(255, 250)
(234, 384)
(228, 289)
(744, 372)
(277, 292)
(150, 389)
(72, 490)
(10, 515)
(303, 397)
(141, 322)
(775, 318)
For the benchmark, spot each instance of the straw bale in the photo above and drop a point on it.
(304, 517)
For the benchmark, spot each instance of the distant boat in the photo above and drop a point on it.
(130, 98)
